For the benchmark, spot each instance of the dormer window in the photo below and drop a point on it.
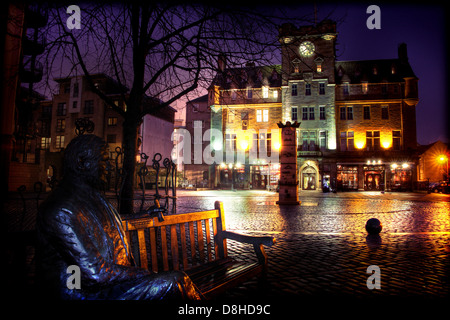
(375, 70)
(296, 65)
(318, 62)
(364, 87)
(393, 69)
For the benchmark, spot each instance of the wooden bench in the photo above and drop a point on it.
(197, 244)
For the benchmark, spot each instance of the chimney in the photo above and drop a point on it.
(222, 62)
(402, 53)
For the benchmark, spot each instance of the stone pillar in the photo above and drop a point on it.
(288, 193)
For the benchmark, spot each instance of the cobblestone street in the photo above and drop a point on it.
(322, 247)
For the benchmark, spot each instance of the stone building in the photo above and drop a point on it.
(308, 60)
(198, 122)
(245, 107)
(75, 101)
(376, 124)
(358, 125)
(357, 118)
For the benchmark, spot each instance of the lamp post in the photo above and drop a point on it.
(441, 160)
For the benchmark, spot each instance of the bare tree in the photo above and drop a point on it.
(159, 50)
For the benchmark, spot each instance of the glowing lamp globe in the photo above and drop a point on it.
(373, 226)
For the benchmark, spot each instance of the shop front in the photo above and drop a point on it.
(401, 177)
(265, 176)
(374, 177)
(347, 177)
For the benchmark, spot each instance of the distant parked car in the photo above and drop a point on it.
(442, 186)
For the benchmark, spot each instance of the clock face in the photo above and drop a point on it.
(307, 49)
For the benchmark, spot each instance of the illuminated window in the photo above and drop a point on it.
(266, 115)
(59, 142)
(296, 65)
(265, 92)
(373, 140)
(347, 141)
(112, 121)
(60, 125)
(275, 94)
(365, 87)
(230, 142)
(45, 143)
(262, 115)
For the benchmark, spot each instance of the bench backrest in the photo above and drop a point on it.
(180, 242)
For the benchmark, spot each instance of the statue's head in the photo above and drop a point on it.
(86, 158)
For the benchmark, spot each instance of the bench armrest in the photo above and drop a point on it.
(267, 241)
(257, 242)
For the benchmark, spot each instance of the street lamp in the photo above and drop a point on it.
(441, 160)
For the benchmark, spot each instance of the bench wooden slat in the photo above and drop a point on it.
(216, 246)
(174, 247)
(192, 240)
(153, 250)
(183, 245)
(201, 244)
(164, 249)
(208, 240)
(142, 248)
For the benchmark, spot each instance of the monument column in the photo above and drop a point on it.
(288, 193)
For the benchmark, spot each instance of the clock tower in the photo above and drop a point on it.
(308, 49)
(308, 96)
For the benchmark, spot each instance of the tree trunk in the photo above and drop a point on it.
(130, 135)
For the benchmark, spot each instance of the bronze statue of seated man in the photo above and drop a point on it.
(77, 226)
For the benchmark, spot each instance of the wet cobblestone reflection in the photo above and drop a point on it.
(323, 247)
